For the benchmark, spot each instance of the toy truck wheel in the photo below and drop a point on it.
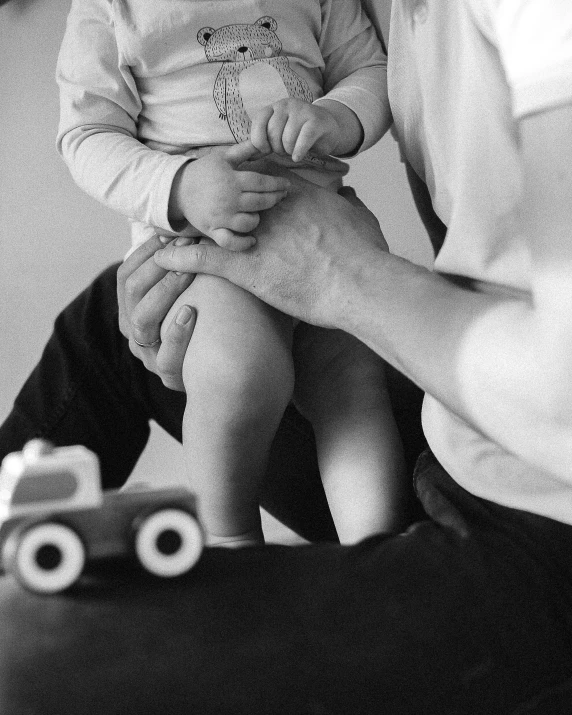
(46, 558)
(169, 542)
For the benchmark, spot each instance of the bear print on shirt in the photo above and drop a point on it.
(253, 74)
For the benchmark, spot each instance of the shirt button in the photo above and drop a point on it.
(421, 12)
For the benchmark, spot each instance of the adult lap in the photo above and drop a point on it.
(447, 617)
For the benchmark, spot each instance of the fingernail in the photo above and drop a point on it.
(164, 239)
(183, 241)
(184, 316)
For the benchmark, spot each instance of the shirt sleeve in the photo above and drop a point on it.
(99, 107)
(355, 71)
(535, 43)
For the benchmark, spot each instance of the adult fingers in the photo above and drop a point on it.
(137, 285)
(135, 276)
(142, 253)
(176, 338)
(137, 260)
(146, 316)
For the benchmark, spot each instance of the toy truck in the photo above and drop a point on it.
(54, 517)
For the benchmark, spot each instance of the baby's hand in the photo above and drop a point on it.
(222, 201)
(292, 126)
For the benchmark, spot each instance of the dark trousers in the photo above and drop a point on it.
(468, 612)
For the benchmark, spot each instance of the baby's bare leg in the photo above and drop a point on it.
(340, 388)
(238, 376)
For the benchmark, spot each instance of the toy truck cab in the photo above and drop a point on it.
(39, 478)
(54, 516)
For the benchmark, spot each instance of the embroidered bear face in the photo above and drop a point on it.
(240, 43)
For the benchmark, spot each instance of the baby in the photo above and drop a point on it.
(163, 105)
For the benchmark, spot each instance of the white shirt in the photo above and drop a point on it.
(461, 73)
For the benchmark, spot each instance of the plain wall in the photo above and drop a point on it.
(54, 239)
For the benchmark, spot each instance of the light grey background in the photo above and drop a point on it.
(54, 239)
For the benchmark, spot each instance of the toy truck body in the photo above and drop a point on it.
(54, 517)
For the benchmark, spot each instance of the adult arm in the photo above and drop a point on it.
(502, 363)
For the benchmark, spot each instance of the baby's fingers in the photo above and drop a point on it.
(308, 136)
(225, 238)
(244, 222)
(258, 130)
(252, 202)
(251, 181)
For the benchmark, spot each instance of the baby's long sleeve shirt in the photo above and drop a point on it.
(144, 85)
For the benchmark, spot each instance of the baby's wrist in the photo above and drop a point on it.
(184, 186)
(348, 132)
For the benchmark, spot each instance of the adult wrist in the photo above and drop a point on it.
(367, 286)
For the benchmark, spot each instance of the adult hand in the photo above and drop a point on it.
(145, 293)
(310, 248)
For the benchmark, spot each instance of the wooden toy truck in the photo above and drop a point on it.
(54, 517)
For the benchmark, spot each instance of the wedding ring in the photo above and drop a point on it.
(148, 345)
